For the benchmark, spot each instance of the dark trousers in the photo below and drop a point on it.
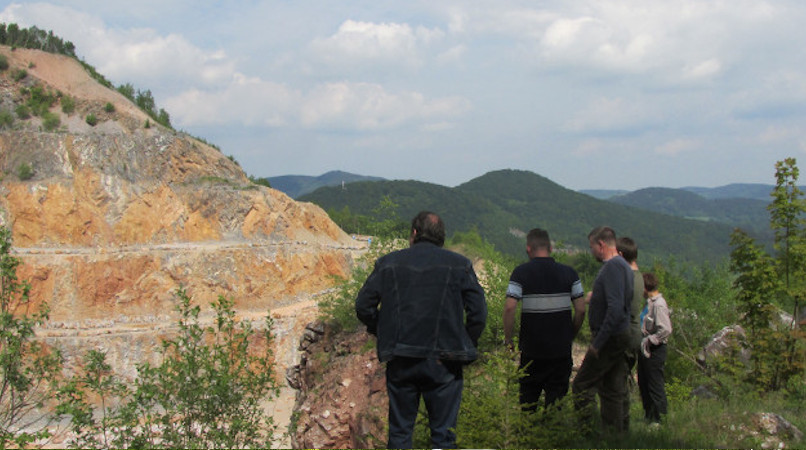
(440, 385)
(651, 382)
(544, 375)
(606, 373)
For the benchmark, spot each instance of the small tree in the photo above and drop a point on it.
(209, 391)
(29, 372)
(91, 119)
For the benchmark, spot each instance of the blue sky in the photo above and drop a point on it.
(591, 94)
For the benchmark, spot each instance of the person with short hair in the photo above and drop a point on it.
(427, 309)
(604, 368)
(656, 327)
(552, 312)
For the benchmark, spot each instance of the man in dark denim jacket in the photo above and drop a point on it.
(427, 309)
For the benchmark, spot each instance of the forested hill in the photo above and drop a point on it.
(503, 205)
(746, 213)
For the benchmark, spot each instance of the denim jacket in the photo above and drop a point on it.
(423, 302)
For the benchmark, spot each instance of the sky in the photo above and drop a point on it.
(592, 94)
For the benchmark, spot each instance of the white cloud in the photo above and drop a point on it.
(342, 106)
(366, 106)
(365, 42)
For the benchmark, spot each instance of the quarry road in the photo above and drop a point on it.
(174, 247)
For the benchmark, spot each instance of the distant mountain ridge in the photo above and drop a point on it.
(745, 213)
(503, 205)
(296, 185)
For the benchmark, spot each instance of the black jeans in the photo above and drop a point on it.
(651, 382)
(549, 375)
(440, 385)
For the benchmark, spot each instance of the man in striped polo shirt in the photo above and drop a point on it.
(552, 312)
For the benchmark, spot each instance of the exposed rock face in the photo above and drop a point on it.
(342, 401)
(117, 216)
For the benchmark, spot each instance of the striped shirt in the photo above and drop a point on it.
(546, 290)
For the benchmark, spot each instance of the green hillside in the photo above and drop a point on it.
(503, 205)
(296, 185)
(745, 213)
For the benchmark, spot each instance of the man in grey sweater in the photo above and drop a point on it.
(604, 369)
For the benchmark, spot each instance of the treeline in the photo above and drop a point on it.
(35, 38)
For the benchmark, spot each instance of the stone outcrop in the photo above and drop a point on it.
(117, 216)
(342, 401)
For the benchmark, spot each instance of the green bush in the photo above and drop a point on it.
(29, 371)
(50, 121)
(25, 171)
(23, 112)
(6, 119)
(68, 104)
(91, 120)
(3, 63)
(19, 75)
(109, 107)
(209, 391)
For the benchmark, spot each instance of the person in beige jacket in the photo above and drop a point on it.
(656, 327)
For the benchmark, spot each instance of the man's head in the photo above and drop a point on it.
(627, 248)
(538, 243)
(603, 243)
(427, 226)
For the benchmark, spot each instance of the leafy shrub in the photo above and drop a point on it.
(109, 107)
(19, 75)
(3, 63)
(50, 121)
(68, 104)
(40, 100)
(23, 112)
(6, 119)
(91, 119)
(29, 371)
(25, 171)
(208, 392)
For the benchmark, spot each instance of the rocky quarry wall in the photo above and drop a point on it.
(118, 216)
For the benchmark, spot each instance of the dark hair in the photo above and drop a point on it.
(428, 227)
(538, 238)
(606, 234)
(628, 248)
(650, 282)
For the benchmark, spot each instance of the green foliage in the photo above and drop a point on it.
(127, 90)
(491, 416)
(19, 75)
(109, 107)
(23, 112)
(6, 119)
(260, 181)
(338, 306)
(68, 104)
(25, 171)
(50, 121)
(3, 63)
(40, 100)
(778, 351)
(29, 371)
(91, 119)
(788, 221)
(34, 38)
(208, 392)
